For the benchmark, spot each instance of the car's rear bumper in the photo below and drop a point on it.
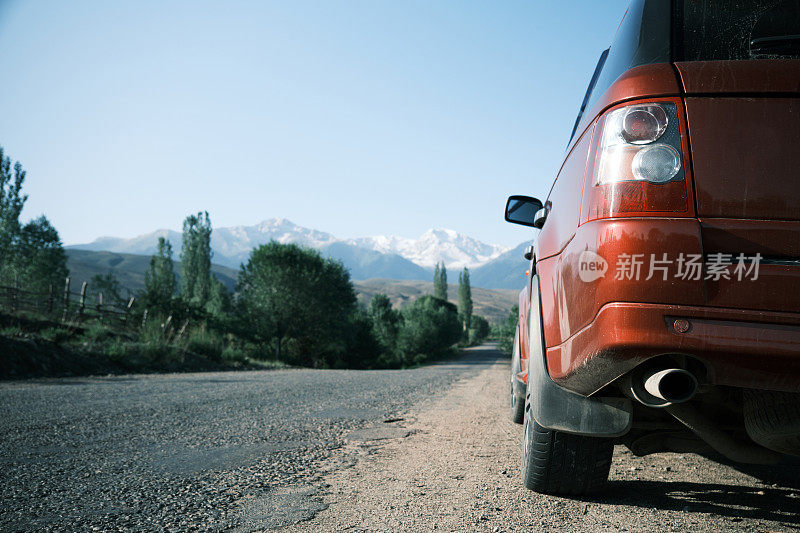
(740, 348)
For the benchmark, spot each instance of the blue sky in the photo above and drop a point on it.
(355, 117)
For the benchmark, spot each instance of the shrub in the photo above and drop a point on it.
(233, 354)
(362, 349)
(206, 343)
(152, 341)
(97, 333)
(118, 351)
(386, 324)
(479, 330)
(153, 331)
(430, 328)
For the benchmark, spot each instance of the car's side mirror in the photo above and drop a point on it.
(523, 210)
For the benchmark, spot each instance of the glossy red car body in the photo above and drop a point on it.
(740, 133)
(662, 309)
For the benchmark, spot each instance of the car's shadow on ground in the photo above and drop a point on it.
(778, 503)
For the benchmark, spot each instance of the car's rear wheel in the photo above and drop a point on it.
(561, 463)
(772, 419)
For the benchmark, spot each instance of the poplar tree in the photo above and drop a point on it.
(440, 282)
(465, 298)
(436, 281)
(196, 282)
(11, 203)
(159, 279)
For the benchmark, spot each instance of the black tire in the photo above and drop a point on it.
(561, 463)
(772, 419)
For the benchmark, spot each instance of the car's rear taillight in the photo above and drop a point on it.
(637, 165)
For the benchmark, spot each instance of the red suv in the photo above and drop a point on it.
(663, 307)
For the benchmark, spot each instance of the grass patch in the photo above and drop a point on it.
(11, 331)
(206, 343)
(57, 335)
(267, 364)
(47, 348)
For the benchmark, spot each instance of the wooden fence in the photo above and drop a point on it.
(75, 308)
(68, 306)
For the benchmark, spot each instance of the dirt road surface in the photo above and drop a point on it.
(424, 449)
(453, 464)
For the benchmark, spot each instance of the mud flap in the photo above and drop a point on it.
(518, 386)
(557, 408)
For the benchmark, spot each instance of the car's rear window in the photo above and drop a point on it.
(642, 38)
(710, 30)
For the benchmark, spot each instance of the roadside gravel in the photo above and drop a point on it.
(455, 465)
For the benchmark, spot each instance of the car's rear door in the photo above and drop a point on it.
(743, 117)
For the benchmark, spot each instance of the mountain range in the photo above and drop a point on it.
(390, 257)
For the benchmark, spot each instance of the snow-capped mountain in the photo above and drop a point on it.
(232, 245)
(238, 239)
(455, 249)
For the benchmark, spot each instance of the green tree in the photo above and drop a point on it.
(293, 297)
(507, 331)
(430, 328)
(219, 302)
(363, 349)
(159, 280)
(196, 280)
(479, 330)
(386, 324)
(11, 203)
(40, 257)
(436, 279)
(31, 255)
(440, 282)
(108, 285)
(465, 299)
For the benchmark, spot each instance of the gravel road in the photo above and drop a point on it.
(421, 449)
(185, 451)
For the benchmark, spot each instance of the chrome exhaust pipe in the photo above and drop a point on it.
(672, 385)
(660, 388)
(671, 389)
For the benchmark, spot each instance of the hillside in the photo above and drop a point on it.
(494, 304)
(507, 271)
(129, 268)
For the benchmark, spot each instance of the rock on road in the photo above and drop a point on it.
(328, 450)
